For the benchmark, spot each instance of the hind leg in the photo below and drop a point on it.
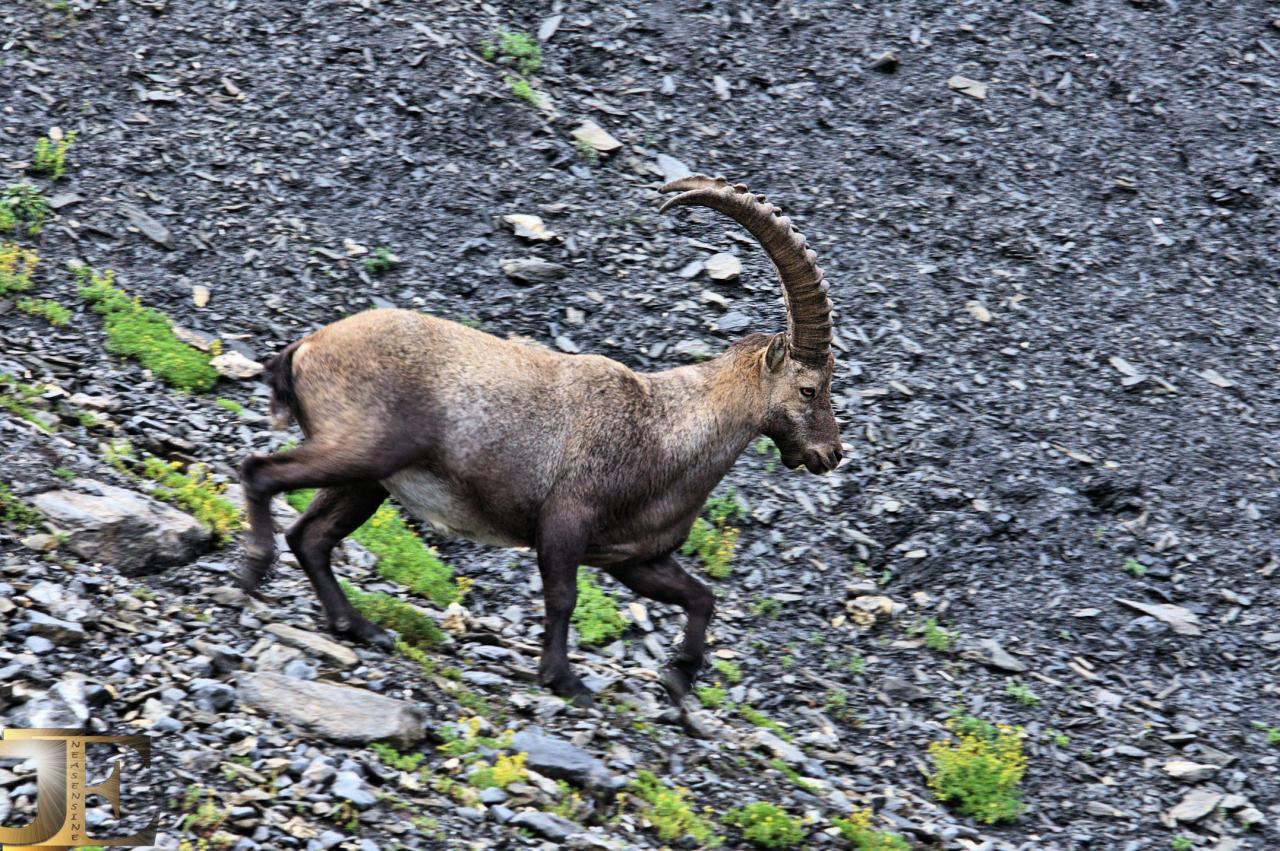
(332, 515)
(665, 581)
(312, 465)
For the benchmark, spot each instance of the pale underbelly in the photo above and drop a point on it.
(433, 501)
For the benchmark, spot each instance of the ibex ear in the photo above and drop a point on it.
(777, 352)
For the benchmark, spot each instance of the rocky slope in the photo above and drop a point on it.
(1050, 232)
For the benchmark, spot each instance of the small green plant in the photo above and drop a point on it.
(793, 776)
(392, 758)
(596, 616)
(857, 831)
(144, 334)
(15, 512)
(413, 626)
(521, 89)
(766, 825)
(712, 697)
(1134, 568)
(668, 812)
(379, 262)
(17, 398)
(757, 718)
(505, 770)
(1180, 843)
(979, 770)
(712, 539)
(402, 556)
(765, 446)
(64, 473)
(516, 48)
(1272, 733)
(49, 156)
(767, 607)
(229, 405)
(587, 151)
(935, 637)
(16, 267)
(203, 817)
(729, 670)
(1058, 738)
(1021, 693)
(46, 309)
(23, 206)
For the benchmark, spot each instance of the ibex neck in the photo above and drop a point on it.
(712, 410)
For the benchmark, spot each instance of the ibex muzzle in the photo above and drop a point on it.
(512, 444)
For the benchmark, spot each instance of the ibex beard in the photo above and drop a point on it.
(576, 456)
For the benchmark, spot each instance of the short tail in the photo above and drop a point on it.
(284, 399)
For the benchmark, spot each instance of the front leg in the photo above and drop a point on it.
(562, 543)
(665, 581)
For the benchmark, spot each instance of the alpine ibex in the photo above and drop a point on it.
(512, 444)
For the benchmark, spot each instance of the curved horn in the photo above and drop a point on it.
(804, 290)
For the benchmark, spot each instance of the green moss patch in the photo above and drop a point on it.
(144, 334)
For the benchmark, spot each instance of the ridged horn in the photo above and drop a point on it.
(803, 288)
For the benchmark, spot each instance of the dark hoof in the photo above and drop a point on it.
(362, 630)
(677, 682)
(254, 572)
(573, 691)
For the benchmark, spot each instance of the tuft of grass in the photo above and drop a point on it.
(587, 151)
(392, 758)
(712, 697)
(668, 812)
(518, 49)
(729, 670)
(144, 334)
(935, 637)
(758, 719)
(766, 825)
(46, 309)
(1134, 568)
(979, 770)
(596, 616)
(49, 156)
(16, 267)
(415, 628)
(402, 556)
(378, 262)
(520, 88)
(15, 397)
(15, 512)
(765, 446)
(857, 831)
(191, 488)
(23, 206)
(229, 405)
(712, 539)
(1180, 843)
(767, 607)
(793, 776)
(1021, 693)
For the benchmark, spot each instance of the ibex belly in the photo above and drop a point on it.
(439, 504)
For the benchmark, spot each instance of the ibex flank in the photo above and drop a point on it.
(511, 444)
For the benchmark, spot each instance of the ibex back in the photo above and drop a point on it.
(511, 444)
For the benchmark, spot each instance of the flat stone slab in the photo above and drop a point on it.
(340, 714)
(316, 645)
(124, 528)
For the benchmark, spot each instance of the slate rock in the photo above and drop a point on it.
(561, 760)
(316, 645)
(340, 714)
(553, 827)
(133, 532)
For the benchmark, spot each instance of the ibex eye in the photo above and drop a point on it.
(807, 392)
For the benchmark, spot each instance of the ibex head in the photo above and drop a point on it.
(796, 366)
